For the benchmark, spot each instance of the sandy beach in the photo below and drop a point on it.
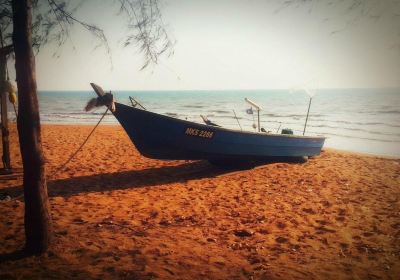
(118, 215)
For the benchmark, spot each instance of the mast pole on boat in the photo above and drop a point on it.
(308, 111)
(258, 108)
(237, 120)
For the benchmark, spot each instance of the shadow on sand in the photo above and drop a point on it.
(13, 256)
(154, 176)
(70, 271)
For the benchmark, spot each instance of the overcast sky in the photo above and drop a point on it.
(237, 45)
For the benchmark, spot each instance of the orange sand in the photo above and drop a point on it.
(118, 215)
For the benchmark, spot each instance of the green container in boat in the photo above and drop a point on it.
(287, 131)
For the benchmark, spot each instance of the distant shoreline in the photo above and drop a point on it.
(85, 125)
(226, 89)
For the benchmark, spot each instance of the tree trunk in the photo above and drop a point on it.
(37, 214)
(4, 116)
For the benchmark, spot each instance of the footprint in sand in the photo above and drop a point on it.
(341, 215)
(368, 234)
(356, 237)
(309, 211)
(281, 225)
(326, 203)
(281, 239)
(322, 222)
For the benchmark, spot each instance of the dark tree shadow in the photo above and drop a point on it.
(13, 256)
(67, 271)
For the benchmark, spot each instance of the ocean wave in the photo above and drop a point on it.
(225, 116)
(220, 111)
(193, 106)
(283, 115)
(380, 112)
(358, 137)
(356, 123)
(355, 129)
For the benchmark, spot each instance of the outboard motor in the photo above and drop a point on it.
(287, 131)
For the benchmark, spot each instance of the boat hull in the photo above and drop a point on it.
(161, 137)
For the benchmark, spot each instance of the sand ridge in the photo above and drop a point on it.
(117, 214)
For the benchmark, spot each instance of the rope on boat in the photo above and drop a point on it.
(80, 147)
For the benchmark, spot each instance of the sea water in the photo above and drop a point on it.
(360, 120)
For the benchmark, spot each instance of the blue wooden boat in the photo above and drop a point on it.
(162, 137)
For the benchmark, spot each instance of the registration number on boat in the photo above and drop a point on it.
(199, 132)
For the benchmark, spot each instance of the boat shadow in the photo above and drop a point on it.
(149, 177)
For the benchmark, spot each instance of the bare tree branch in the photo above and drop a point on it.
(147, 30)
(52, 20)
(6, 50)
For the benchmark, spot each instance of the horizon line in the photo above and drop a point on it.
(231, 89)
